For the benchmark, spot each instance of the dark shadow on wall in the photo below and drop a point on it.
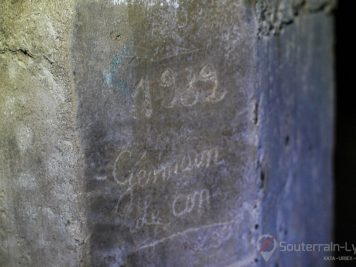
(345, 150)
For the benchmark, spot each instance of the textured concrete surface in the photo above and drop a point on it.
(295, 88)
(164, 133)
(167, 130)
(42, 219)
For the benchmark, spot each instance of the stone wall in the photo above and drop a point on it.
(164, 133)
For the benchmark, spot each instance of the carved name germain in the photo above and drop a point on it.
(155, 175)
(138, 211)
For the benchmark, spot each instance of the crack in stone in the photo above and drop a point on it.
(23, 51)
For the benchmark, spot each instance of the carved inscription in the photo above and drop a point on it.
(185, 204)
(201, 87)
(146, 218)
(164, 172)
(135, 206)
(143, 103)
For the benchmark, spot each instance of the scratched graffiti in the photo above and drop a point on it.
(165, 123)
(135, 208)
(162, 173)
(193, 201)
(201, 86)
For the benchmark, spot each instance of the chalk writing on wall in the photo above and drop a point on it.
(185, 204)
(201, 87)
(139, 210)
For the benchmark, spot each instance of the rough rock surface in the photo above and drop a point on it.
(42, 215)
(295, 89)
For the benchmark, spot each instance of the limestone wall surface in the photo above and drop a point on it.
(164, 133)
